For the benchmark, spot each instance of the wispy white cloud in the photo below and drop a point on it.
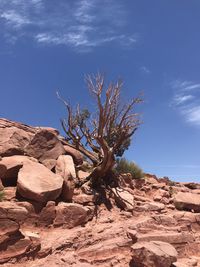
(180, 98)
(81, 24)
(185, 85)
(145, 70)
(14, 19)
(192, 114)
(186, 100)
(83, 13)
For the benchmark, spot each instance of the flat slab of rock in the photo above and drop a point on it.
(38, 183)
(70, 215)
(113, 248)
(150, 206)
(169, 237)
(187, 201)
(154, 254)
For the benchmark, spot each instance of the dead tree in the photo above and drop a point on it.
(105, 134)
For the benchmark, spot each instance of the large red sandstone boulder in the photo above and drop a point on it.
(65, 168)
(13, 165)
(70, 215)
(187, 201)
(76, 155)
(14, 137)
(154, 254)
(45, 145)
(38, 183)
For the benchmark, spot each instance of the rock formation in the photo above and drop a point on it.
(46, 221)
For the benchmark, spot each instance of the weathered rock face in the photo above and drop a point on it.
(49, 129)
(124, 199)
(36, 182)
(65, 168)
(70, 215)
(45, 145)
(84, 199)
(9, 193)
(106, 223)
(111, 248)
(82, 175)
(8, 227)
(187, 201)
(174, 238)
(19, 246)
(14, 137)
(192, 185)
(49, 163)
(13, 211)
(48, 214)
(154, 254)
(13, 165)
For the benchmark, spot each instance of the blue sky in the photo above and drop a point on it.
(49, 45)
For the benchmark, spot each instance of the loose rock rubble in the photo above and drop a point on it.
(46, 221)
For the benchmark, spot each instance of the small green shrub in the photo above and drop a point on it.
(171, 191)
(1, 195)
(171, 183)
(125, 166)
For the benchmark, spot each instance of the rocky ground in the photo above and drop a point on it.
(46, 221)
